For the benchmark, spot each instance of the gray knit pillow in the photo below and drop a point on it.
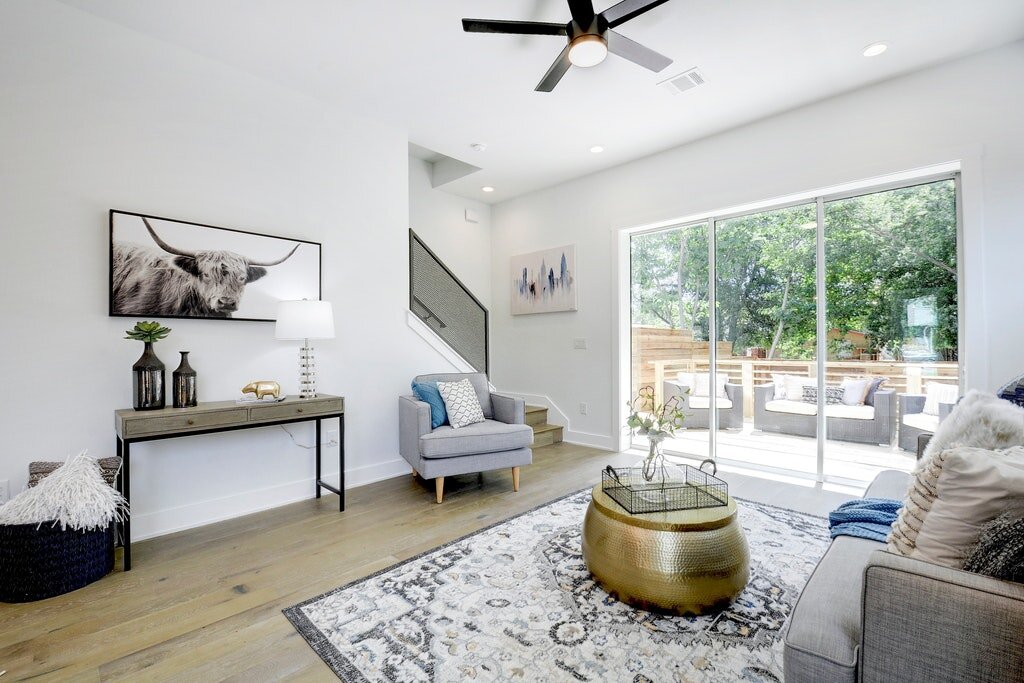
(1000, 551)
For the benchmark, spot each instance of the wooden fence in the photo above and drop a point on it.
(652, 344)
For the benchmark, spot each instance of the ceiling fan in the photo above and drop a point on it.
(591, 36)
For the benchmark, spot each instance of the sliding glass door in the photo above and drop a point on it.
(833, 334)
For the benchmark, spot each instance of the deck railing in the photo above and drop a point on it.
(903, 376)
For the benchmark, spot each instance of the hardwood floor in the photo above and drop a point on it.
(205, 604)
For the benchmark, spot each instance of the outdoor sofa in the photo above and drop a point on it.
(916, 419)
(861, 424)
(697, 408)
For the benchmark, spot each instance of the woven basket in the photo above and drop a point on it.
(38, 562)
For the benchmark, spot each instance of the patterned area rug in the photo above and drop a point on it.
(515, 602)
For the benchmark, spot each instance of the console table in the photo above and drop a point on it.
(135, 426)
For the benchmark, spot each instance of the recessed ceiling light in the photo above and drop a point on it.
(596, 149)
(487, 188)
(875, 49)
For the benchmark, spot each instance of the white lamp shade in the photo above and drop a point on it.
(304, 320)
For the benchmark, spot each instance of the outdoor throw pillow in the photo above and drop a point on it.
(876, 384)
(428, 393)
(936, 393)
(833, 395)
(854, 390)
(795, 386)
(461, 403)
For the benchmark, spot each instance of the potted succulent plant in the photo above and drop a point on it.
(148, 388)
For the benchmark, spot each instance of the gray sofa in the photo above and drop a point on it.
(911, 405)
(699, 418)
(869, 616)
(880, 429)
(502, 440)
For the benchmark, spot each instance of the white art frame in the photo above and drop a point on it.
(545, 281)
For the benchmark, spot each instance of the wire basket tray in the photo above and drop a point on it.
(688, 488)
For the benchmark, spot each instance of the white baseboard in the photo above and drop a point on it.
(192, 515)
(602, 441)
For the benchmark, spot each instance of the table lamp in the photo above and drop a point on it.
(305, 320)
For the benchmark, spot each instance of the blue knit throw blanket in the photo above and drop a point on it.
(869, 518)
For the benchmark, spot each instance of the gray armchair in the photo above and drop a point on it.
(913, 421)
(502, 440)
(699, 418)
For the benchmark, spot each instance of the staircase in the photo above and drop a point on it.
(544, 434)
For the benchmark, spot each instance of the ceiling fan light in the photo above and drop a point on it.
(588, 50)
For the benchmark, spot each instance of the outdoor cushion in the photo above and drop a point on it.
(482, 437)
(801, 408)
(927, 423)
(936, 393)
(792, 407)
(704, 403)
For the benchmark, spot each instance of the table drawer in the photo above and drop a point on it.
(295, 409)
(184, 422)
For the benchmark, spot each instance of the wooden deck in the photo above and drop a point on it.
(853, 461)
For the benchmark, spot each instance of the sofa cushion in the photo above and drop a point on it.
(922, 421)
(801, 408)
(704, 403)
(791, 407)
(483, 437)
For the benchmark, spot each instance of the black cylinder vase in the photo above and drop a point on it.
(148, 388)
(184, 384)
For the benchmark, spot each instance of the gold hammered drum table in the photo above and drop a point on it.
(683, 561)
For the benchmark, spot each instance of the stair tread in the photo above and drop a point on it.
(545, 428)
(535, 409)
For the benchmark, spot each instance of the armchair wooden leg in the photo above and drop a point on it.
(415, 474)
(439, 488)
(515, 479)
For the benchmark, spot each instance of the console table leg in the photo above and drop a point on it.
(341, 463)
(316, 482)
(126, 483)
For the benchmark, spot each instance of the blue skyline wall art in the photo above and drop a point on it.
(544, 281)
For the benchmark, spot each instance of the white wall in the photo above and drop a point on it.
(439, 218)
(94, 116)
(969, 110)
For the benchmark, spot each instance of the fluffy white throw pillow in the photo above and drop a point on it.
(980, 419)
(74, 496)
(461, 403)
(974, 487)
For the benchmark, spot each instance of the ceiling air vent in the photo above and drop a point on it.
(683, 82)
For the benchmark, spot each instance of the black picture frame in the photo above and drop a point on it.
(200, 276)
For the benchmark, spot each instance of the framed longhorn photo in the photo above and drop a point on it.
(164, 268)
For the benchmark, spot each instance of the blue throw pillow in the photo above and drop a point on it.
(428, 393)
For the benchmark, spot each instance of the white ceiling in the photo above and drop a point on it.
(408, 63)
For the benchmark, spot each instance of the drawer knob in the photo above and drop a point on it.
(300, 410)
(191, 421)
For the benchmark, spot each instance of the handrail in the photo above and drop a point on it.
(462, 325)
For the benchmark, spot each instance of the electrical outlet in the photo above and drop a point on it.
(5, 490)
(583, 408)
(332, 437)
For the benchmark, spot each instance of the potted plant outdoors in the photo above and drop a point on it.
(657, 423)
(148, 387)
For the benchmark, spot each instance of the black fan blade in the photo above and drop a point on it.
(627, 9)
(528, 28)
(582, 12)
(555, 73)
(635, 52)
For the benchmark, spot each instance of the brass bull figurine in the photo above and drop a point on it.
(263, 388)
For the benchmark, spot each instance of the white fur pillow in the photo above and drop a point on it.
(980, 419)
